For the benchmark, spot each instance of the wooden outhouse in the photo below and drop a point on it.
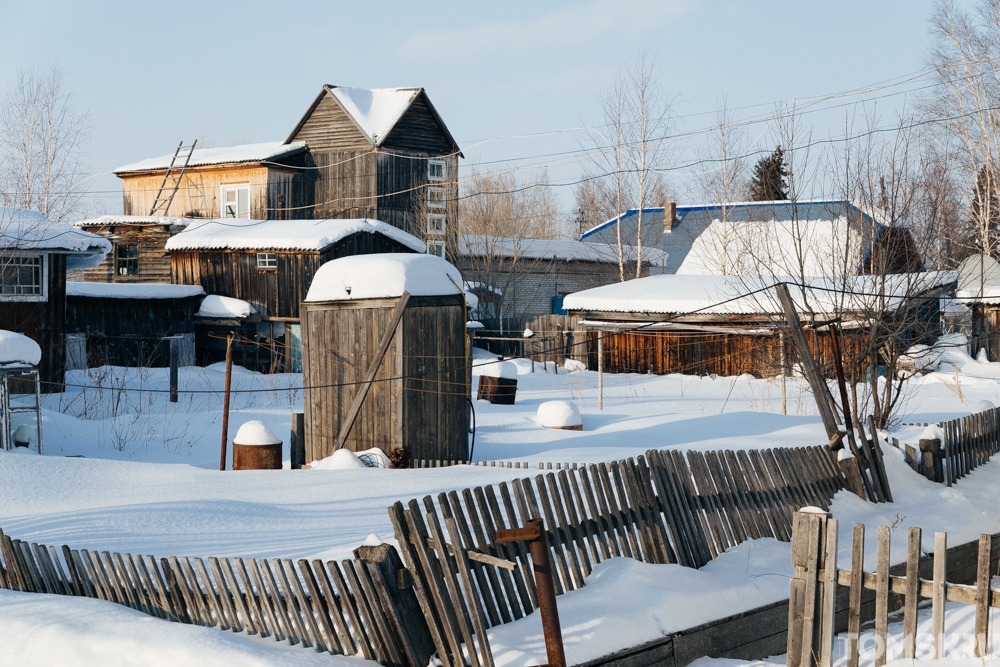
(385, 360)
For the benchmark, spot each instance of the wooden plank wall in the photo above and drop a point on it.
(154, 264)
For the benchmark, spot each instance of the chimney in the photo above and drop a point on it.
(669, 216)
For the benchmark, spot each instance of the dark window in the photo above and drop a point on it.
(127, 259)
(267, 260)
(21, 275)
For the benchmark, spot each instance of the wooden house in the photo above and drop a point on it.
(138, 247)
(35, 254)
(728, 325)
(132, 325)
(781, 238)
(384, 154)
(383, 339)
(253, 181)
(269, 264)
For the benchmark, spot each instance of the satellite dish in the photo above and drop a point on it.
(976, 273)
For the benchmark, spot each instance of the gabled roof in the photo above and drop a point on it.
(313, 235)
(375, 111)
(202, 157)
(21, 229)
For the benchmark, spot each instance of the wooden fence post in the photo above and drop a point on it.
(931, 454)
(405, 611)
(811, 594)
(297, 441)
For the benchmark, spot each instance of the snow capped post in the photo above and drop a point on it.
(20, 414)
(256, 447)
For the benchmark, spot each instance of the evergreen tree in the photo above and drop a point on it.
(769, 182)
(984, 213)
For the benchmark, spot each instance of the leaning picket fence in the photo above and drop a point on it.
(968, 442)
(819, 584)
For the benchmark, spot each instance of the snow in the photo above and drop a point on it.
(115, 220)
(21, 229)
(497, 369)
(472, 245)
(215, 305)
(375, 110)
(341, 459)
(17, 349)
(270, 150)
(317, 235)
(132, 290)
(255, 432)
(384, 276)
(711, 294)
(559, 414)
(149, 483)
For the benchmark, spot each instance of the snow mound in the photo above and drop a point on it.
(215, 305)
(383, 276)
(255, 432)
(559, 414)
(341, 459)
(500, 369)
(18, 349)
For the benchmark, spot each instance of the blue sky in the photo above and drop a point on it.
(514, 81)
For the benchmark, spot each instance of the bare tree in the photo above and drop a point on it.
(41, 138)
(630, 151)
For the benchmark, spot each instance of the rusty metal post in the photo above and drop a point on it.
(225, 401)
(538, 548)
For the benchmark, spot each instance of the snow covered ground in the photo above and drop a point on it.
(125, 470)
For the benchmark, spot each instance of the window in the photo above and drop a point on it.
(435, 170)
(267, 260)
(436, 224)
(127, 259)
(435, 248)
(435, 197)
(235, 201)
(22, 276)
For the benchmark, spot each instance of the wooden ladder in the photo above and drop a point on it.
(172, 179)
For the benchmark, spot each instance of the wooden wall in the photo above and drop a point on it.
(154, 264)
(198, 195)
(419, 397)
(45, 323)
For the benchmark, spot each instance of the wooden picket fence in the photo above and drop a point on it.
(968, 443)
(339, 608)
(516, 465)
(819, 583)
(662, 507)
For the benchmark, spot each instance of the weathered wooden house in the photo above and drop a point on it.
(383, 338)
(35, 254)
(729, 325)
(270, 264)
(383, 154)
(258, 181)
(132, 325)
(138, 247)
(780, 238)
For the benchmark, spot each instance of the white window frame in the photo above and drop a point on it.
(435, 247)
(435, 170)
(237, 188)
(43, 288)
(267, 260)
(437, 224)
(436, 197)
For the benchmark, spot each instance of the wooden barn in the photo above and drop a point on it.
(259, 181)
(132, 325)
(271, 263)
(35, 254)
(728, 325)
(385, 361)
(385, 154)
(138, 247)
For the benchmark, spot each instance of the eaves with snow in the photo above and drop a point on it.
(307, 235)
(477, 245)
(202, 157)
(106, 221)
(21, 229)
(132, 290)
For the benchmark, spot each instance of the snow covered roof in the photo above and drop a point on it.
(224, 307)
(384, 276)
(18, 350)
(113, 220)
(473, 245)
(132, 290)
(671, 294)
(237, 234)
(21, 229)
(202, 157)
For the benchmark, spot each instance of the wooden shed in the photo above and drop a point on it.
(383, 338)
(132, 325)
(138, 254)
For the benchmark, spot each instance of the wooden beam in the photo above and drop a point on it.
(387, 336)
